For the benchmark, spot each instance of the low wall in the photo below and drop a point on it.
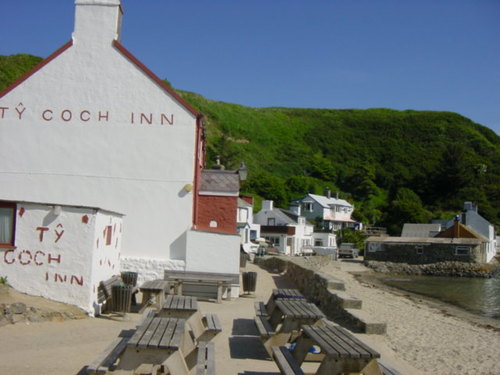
(327, 292)
(453, 269)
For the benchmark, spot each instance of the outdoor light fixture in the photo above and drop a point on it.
(243, 171)
(188, 187)
(56, 210)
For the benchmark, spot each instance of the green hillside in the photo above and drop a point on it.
(396, 166)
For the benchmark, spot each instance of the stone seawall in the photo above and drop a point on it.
(327, 292)
(453, 269)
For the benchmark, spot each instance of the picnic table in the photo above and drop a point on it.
(342, 352)
(158, 341)
(285, 322)
(153, 292)
(285, 293)
(186, 307)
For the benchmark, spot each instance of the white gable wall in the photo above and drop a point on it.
(72, 134)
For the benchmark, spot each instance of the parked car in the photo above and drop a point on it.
(348, 250)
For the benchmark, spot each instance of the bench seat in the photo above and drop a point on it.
(106, 359)
(205, 363)
(285, 361)
(260, 309)
(264, 327)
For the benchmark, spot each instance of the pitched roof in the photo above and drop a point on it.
(420, 230)
(328, 202)
(219, 182)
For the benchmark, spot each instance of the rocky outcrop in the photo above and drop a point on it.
(455, 269)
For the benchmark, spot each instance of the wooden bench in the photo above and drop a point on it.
(260, 309)
(387, 370)
(106, 359)
(205, 364)
(201, 284)
(285, 361)
(264, 328)
(104, 294)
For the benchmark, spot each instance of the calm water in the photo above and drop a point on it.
(479, 296)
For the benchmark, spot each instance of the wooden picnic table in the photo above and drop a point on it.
(292, 313)
(158, 341)
(185, 307)
(153, 292)
(285, 322)
(284, 293)
(342, 352)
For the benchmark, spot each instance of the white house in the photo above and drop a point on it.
(334, 213)
(91, 126)
(290, 233)
(471, 218)
(248, 230)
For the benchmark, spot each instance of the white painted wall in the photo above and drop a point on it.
(72, 134)
(58, 256)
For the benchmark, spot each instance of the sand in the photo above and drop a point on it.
(420, 338)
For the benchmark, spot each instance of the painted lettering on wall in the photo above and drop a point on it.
(82, 116)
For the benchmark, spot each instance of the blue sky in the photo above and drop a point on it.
(400, 54)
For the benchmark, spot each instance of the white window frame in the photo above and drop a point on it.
(462, 251)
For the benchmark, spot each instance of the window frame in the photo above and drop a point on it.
(13, 207)
(459, 249)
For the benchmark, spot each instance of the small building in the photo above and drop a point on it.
(331, 213)
(290, 233)
(61, 250)
(458, 243)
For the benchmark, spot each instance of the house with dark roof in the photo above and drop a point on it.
(92, 127)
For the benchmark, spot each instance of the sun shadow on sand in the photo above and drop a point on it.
(247, 347)
(242, 327)
(283, 282)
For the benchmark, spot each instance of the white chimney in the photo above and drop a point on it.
(97, 21)
(267, 205)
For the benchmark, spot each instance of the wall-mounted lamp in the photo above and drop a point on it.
(188, 187)
(56, 210)
(243, 171)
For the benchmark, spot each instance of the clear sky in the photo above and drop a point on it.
(400, 54)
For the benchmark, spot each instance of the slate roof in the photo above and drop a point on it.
(219, 182)
(420, 230)
(328, 202)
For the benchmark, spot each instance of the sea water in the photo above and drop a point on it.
(477, 295)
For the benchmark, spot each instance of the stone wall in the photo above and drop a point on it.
(455, 269)
(327, 292)
(431, 253)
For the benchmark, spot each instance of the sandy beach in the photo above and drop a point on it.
(422, 337)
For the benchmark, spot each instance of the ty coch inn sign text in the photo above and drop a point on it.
(86, 115)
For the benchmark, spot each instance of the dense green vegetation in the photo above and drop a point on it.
(395, 166)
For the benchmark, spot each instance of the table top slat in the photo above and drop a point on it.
(158, 334)
(331, 348)
(167, 338)
(337, 342)
(364, 350)
(139, 332)
(148, 334)
(299, 308)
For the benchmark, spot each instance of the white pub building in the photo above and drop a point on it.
(101, 169)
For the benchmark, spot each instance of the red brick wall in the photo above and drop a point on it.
(219, 209)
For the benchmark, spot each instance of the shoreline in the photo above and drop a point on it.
(371, 277)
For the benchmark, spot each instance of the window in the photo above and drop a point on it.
(419, 250)
(318, 242)
(7, 223)
(308, 207)
(271, 221)
(461, 250)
